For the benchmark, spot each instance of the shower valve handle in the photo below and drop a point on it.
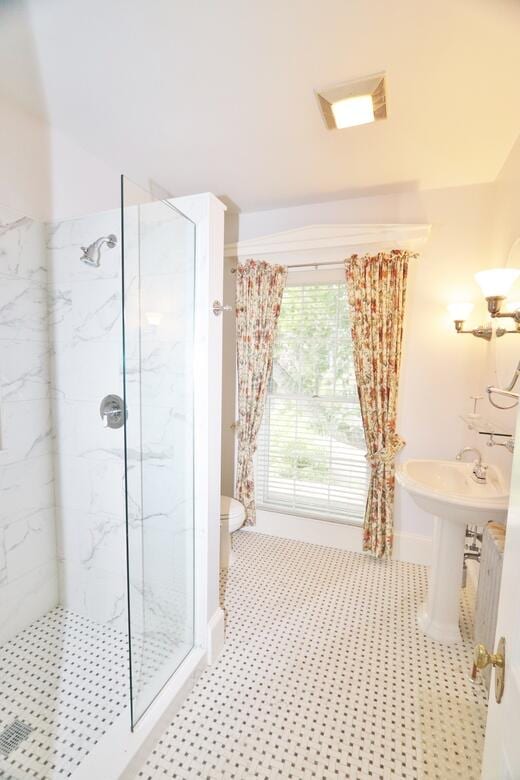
(111, 411)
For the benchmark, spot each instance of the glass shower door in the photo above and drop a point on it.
(158, 308)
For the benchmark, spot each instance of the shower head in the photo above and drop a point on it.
(92, 253)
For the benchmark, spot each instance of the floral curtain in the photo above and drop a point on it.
(259, 299)
(376, 289)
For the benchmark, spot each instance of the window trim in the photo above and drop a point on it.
(357, 522)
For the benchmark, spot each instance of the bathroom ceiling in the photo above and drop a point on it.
(219, 96)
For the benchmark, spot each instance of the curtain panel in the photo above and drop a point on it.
(376, 290)
(259, 291)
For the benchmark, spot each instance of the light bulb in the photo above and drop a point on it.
(496, 282)
(358, 110)
(460, 311)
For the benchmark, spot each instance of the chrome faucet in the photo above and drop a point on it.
(479, 472)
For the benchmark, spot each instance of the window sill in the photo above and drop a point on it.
(337, 519)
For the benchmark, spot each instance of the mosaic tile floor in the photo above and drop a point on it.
(326, 675)
(66, 678)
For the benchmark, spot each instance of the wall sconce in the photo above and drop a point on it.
(495, 285)
(459, 313)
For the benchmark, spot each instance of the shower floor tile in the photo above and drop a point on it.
(325, 674)
(66, 677)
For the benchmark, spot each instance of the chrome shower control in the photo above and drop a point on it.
(111, 411)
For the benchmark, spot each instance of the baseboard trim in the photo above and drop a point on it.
(410, 548)
(216, 628)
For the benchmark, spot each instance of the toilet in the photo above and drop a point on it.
(232, 516)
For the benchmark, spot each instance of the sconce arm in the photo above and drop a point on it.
(480, 333)
(494, 303)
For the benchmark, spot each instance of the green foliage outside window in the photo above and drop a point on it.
(314, 385)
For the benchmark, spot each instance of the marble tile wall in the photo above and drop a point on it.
(86, 333)
(85, 326)
(62, 510)
(28, 566)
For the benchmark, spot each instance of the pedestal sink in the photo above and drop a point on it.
(447, 490)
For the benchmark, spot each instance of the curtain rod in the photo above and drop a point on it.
(308, 266)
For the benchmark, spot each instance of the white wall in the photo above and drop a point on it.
(46, 174)
(80, 182)
(506, 221)
(25, 184)
(440, 370)
(228, 374)
(503, 354)
(208, 212)
(28, 568)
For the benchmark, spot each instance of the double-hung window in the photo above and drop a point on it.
(311, 449)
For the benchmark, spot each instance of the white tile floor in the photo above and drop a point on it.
(66, 678)
(325, 674)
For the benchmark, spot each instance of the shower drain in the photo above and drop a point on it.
(13, 735)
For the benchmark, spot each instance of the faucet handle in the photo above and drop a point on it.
(480, 472)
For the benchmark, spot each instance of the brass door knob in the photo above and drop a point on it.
(482, 658)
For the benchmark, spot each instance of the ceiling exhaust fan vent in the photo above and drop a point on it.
(353, 103)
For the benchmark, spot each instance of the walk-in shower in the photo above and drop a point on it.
(97, 546)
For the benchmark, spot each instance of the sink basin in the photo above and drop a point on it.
(446, 489)
(443, 487)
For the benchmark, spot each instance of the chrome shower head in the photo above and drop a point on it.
(92, 253)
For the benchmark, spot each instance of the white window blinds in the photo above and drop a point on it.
(311, 450)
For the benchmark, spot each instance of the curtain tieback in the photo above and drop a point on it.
(386, 454)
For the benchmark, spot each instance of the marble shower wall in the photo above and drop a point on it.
(85, 326)
(28, 567)
(62, 502)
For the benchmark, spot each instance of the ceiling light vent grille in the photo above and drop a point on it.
(354, 102)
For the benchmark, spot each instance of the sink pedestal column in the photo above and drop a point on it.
(439, 615)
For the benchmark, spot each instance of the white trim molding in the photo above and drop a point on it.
(410, 548)
(330, 240)
(215, 641)
(207, 212)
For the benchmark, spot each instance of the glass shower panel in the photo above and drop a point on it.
(158, 295)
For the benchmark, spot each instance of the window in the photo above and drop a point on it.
(311, 448)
